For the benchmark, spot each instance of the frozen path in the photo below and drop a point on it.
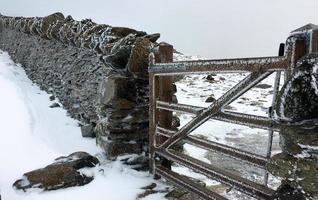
(33, 135)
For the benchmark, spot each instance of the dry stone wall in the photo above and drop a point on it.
(98, 72)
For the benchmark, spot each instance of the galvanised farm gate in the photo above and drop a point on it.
(163, 137)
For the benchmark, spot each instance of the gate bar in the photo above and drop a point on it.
(186, 183)
(239, 183)
(254, 159)
(226, 116)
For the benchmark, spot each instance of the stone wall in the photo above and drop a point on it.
(98, 72)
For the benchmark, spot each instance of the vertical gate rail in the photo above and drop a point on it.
(162, 137)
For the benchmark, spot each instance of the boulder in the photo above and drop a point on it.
(63, 173)
(298, 99)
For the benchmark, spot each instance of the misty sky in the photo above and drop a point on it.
(210, 28)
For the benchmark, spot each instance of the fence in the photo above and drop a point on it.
(163, 137)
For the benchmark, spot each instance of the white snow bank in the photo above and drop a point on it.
(33, 135)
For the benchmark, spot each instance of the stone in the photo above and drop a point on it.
(88, 131)
(286, 192)
(52, 98)
(210, 99)
(210, 78)
(181, 194)
(55, 105)
(115, 88)
(63, 173)
(115, 148)
(300, 173)
(296, 140)
(263, 86)
(48, 20)
(139, 163)
(139, 56)
(153, 37)
(298, 99)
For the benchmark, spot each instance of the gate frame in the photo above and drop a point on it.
(161, 107)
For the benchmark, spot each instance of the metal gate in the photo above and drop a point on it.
(163, 137)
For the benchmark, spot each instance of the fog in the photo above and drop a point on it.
(210, 28)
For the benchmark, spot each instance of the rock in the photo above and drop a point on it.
(48, 20)
(263, 86)
(153, 37)
(210, 78)
(300, 173)
(298, 99)
(175, 122)
(145, 194)
(88, 131)
(139, 163)
(210, 99)
(52, 98)
(139, 57)
(113, 92)
(286, 192)
(149, 187)
(55, 105)
(115, 148)
(296, 140)
(62, 173)
(181, 194)
(176, 194)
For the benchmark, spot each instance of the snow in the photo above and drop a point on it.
(33, 135)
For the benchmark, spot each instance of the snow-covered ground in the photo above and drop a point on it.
(33, 135)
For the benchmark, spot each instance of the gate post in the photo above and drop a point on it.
(161, 88)
(165, 94)
(298, 50)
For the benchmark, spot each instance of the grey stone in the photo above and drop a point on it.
(115, 148)
(210, 99)
(52, 98)
(300, 173)
(263, 86)
(88, 131)
(62, 173)
(55, 105)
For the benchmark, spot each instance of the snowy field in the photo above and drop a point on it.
(33, 135)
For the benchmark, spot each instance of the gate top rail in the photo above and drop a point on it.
(274, 63)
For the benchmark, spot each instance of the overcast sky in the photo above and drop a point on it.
(210, 28)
